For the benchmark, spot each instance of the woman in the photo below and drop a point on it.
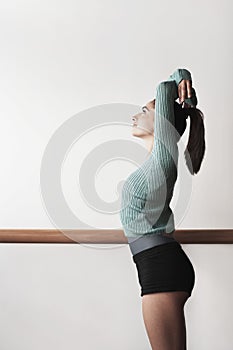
(165, 273)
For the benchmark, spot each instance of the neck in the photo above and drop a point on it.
(149, 141)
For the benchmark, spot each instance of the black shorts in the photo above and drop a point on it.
(164, 268)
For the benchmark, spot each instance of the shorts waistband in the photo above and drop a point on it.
(147, 241)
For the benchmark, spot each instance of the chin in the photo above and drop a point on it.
(135, 133)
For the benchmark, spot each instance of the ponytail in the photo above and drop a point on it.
(195, 149)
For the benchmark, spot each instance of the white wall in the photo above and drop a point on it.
(59, 58)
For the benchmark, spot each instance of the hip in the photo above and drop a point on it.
(141, 243)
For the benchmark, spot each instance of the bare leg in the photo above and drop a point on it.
(185, 337)
(163, 315)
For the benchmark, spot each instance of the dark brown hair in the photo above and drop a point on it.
(195, 148)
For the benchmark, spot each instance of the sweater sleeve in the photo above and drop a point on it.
(178, 76)
(165, 134)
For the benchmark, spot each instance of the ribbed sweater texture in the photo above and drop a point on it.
(147, 192)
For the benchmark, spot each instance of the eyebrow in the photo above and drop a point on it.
(145, 107)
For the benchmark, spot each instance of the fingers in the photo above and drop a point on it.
(184, 89)
(189, 88)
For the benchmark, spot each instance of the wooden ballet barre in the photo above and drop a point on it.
(108, 236)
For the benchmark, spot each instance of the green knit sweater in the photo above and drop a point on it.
(147, 192)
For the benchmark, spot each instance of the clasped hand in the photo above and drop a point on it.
(185, 91)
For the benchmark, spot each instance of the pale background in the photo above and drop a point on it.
(62, 57)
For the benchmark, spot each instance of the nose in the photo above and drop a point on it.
(133, 119)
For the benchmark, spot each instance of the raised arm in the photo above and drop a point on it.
(165, 134)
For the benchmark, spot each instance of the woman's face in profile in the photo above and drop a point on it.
(143, 122)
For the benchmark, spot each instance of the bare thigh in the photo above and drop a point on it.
(163, 315)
